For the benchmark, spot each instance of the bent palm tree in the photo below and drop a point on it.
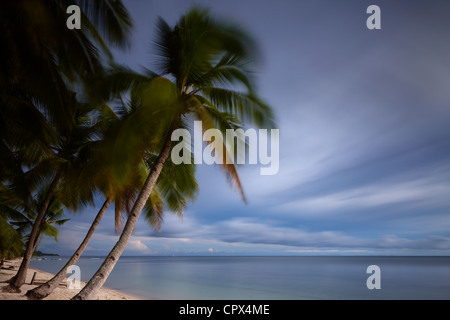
(47, 288)
(27, 214)
(63, 158)
(21, 214)
(180, 185)
(41, 58)
(83, 182)
(203, 56)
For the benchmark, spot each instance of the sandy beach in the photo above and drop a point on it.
(10, 268)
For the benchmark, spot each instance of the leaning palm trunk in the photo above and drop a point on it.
(98, 279)
(19, 279)
(47, 288)
(36, 241)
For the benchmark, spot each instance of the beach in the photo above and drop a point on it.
(10, 268)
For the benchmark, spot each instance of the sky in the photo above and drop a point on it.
(364, 137)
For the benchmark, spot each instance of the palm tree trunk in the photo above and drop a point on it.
(19, 278)
(36, 241)
(96, 282)
(47, 288)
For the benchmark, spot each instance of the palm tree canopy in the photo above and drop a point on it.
(202, 72)
(11, 244)
(24, 216)
(208, 57)
(35, 30)
(129, 145)
(210, 61)
(40, 61)
(41, 58)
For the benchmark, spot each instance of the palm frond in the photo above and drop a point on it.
(11, 243)
(244, 106)
(213, 119)
(116, 80)
(111, 18)
(154, 209)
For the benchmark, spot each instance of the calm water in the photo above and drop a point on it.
(270, 277)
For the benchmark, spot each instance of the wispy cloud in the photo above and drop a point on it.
(267, 233)
(412, 194)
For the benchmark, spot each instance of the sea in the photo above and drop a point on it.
(271, 278)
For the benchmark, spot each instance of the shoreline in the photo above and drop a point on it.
(60, 293)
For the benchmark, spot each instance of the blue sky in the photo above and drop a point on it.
(364, 137)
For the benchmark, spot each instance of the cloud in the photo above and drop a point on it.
(431, 242)
(248, 231)
(138, 246)
(250, 236)
(416, 193)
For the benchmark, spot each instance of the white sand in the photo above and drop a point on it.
(60, 293)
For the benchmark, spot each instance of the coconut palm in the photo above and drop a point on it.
(27, 213)
(84, 181)
(202, 59)
(103, 172)
(64, 158)
(47, 288)
(21, 215)
(43, 61)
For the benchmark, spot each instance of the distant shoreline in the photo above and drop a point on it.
(60, 293)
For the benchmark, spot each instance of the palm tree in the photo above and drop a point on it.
(202, 56)
(42, 60)
(64, 157)
(103, 172)
(83, 182)
(47, 288)
(27, 213)
(21, 214)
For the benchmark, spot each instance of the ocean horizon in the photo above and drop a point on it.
(269, 277)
